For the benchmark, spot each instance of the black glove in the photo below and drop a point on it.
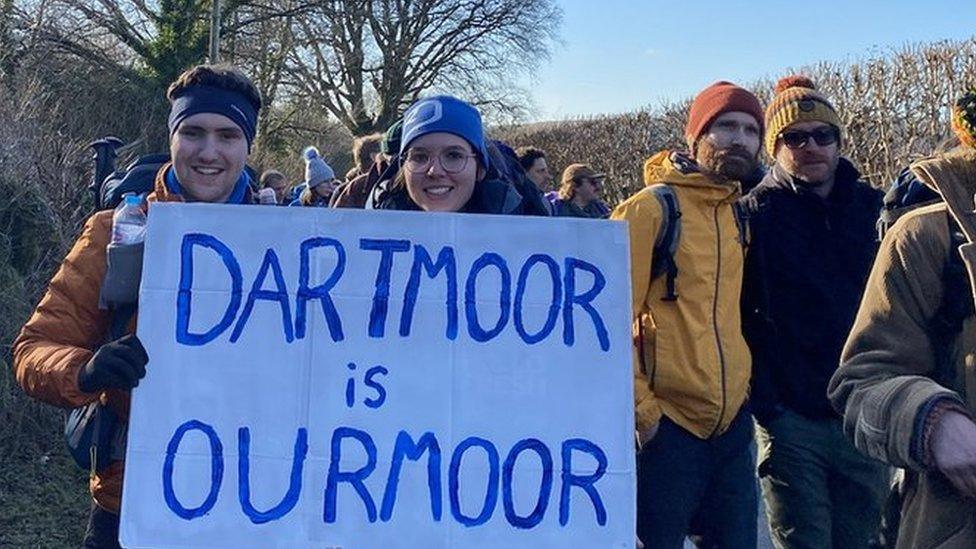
(119, 364)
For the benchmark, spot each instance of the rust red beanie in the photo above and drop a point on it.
(719, 98)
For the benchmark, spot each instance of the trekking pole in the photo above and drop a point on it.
(103, 155)
(214, 49)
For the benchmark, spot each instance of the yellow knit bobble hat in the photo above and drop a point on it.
(796, 100)
(964, 118)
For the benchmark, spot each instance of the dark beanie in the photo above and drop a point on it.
(390, 145)
(717, 99)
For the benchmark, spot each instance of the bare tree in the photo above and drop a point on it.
(261, 47)
(364, 60)
(288, 122)
(149, 40)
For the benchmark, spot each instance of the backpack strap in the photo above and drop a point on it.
(666, 243)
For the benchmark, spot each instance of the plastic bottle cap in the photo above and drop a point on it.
(133, 200)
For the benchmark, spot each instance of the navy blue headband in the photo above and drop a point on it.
(232, 104)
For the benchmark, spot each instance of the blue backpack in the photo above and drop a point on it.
(905, 194)
(109, 184)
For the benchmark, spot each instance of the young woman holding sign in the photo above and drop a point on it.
(446, 165)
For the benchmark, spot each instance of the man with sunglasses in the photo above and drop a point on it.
(813, 241)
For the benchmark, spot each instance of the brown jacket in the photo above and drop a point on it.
(885, 387)
(355, 193)
(65, 329)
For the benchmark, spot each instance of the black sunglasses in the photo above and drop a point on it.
(797, 139)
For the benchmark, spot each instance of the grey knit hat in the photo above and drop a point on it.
(317, 171)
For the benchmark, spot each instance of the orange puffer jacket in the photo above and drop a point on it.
(59, 338)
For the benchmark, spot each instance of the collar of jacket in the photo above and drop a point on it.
(491, 196)
(680, 170)
(162, 192)
(957, 165)
(845, 177)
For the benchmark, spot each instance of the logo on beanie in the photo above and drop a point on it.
(424, 113)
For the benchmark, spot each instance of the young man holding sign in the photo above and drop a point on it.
(212, 125)
(691, 375)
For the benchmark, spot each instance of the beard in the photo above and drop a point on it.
(729, 164)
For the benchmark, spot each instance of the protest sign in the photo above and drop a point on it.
(343, 378)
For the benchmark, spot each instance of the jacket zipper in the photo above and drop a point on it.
(718, 339)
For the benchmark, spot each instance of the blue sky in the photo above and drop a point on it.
(619, 55)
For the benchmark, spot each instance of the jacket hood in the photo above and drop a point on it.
(680, 170)
(959, 163)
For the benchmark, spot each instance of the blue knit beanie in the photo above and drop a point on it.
(443, 113)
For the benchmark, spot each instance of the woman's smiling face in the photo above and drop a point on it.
(429, 184)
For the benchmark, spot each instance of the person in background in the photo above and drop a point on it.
(355, 193)
(320, 181)
(67, 354)
(278, 183)
(533, 161)
(906, 384)
(695, 467)
(812, 242)
(366, 151)
(579, 194)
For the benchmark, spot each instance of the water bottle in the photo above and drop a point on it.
(129, 221)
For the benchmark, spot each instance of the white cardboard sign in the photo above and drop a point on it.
(352, 379)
